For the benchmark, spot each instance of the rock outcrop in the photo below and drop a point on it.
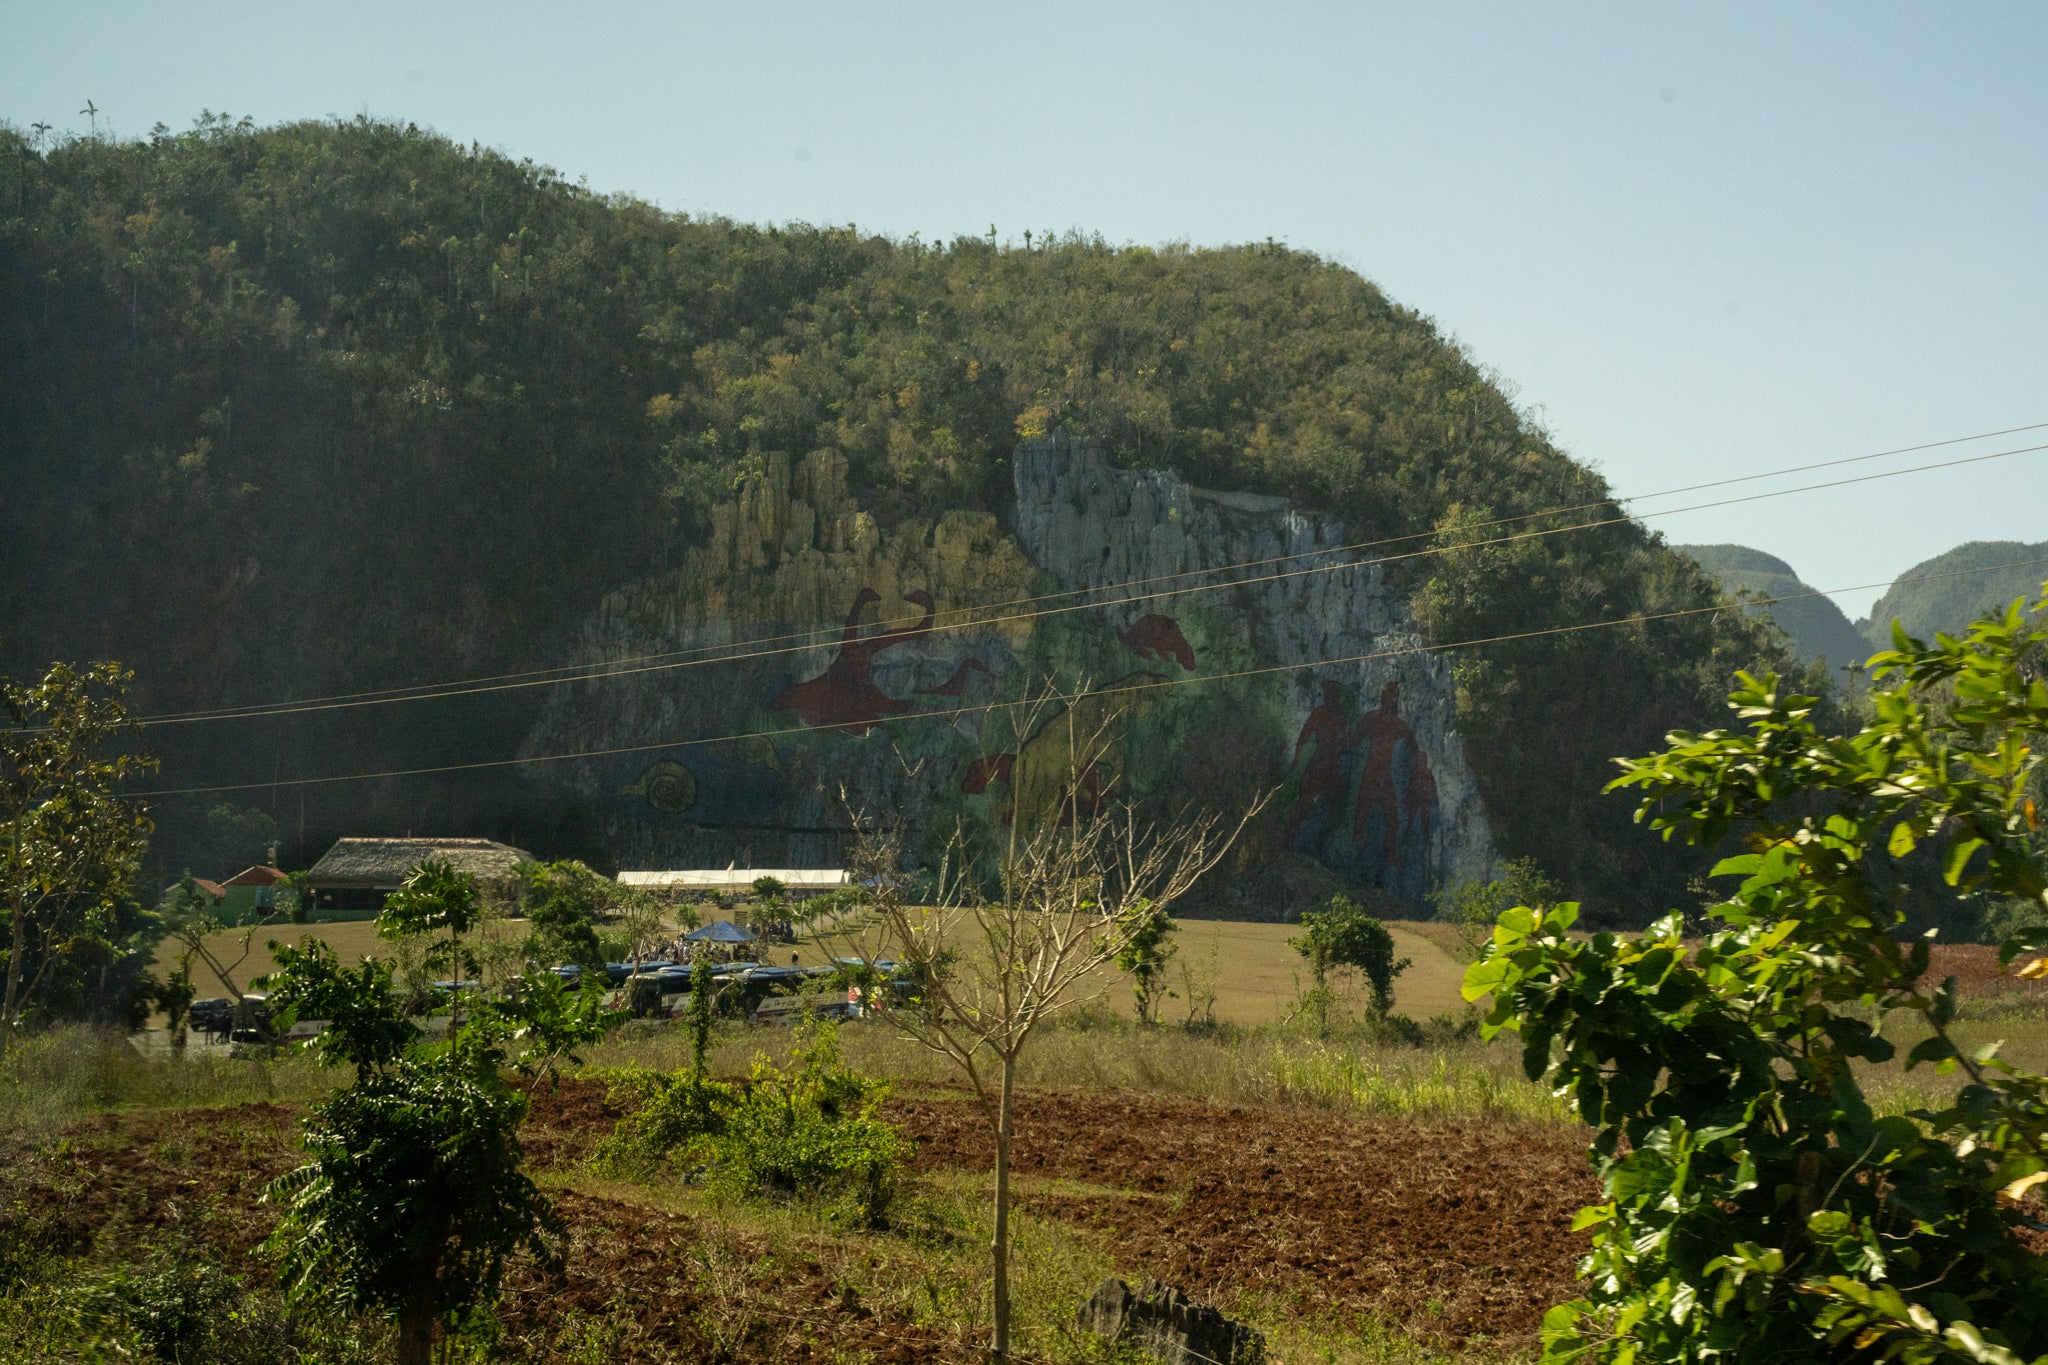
(1380, 788)
(806, 655)
(1169, 1326)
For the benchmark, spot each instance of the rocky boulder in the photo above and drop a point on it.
(1169, 1325)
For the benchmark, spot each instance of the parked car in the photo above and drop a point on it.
(211, 1016)
(251, 1022)
(785, 1010)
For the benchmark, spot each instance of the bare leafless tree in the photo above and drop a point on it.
(1001, 941)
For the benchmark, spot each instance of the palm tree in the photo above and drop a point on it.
(42, 132)
(92, 113)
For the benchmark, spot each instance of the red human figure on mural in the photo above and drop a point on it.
(1322, 781)
(1399, 798)
(844, 696)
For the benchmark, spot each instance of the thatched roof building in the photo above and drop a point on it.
(357, 874)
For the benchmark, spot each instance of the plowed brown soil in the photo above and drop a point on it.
(1976, 970)
(1448, 1231)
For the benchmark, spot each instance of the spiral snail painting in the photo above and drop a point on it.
(668, 786)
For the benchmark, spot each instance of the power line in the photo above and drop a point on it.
(587, 671)
(1148, 686)
(991, 621)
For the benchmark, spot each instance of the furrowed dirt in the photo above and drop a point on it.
(1451, 1232)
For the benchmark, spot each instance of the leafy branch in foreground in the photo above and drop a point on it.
(69, 842)
(1756, 1207)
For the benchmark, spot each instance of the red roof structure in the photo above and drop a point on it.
(213, 889)
(259, 875)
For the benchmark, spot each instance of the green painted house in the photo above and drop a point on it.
(251, 894)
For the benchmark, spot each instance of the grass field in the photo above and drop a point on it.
(1254, 973)
(1363, 1202)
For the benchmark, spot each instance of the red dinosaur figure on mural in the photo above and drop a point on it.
(957, 684)
(844, 696)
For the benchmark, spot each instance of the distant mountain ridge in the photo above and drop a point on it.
(1944, 593)
(1819, 629)
(1951, 590)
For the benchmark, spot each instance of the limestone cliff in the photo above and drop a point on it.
(867, 661)
(1377, 786)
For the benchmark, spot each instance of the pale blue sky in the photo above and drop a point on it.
(1700, 240)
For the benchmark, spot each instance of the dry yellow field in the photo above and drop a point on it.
(351, 940)
(1255, 975)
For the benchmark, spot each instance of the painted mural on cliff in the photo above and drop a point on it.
(844, 696)
(899, 704)
(1364, 799)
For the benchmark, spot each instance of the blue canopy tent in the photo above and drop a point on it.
(720, 931)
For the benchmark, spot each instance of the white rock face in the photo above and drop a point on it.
(1092, 526)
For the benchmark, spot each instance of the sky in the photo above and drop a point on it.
(1695, 242)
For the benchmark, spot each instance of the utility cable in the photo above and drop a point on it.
(819, 636)
(1147, 686)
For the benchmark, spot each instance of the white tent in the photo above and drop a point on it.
(802, 880)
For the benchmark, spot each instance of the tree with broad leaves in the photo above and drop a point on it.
(414, 1199)
(1345, 936)
(435, 898)
(69, 841)
(1756, 1206)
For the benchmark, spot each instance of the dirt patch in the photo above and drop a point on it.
(1976, 970)
(649, 1286)
(1450, 1232)
(642, 1284)
(565, 1120)
(120, 1182)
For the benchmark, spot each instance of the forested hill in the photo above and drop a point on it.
(1957, 586)
(1819, 632)
(326, 407)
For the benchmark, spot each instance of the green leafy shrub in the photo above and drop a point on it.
(810, 1130)
(1144, 957)
(1344, 936)
(675, 1113)
(177, 1306)
(1757, 1208)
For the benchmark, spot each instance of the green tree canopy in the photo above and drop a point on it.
(69, 840)
(1757, 1206)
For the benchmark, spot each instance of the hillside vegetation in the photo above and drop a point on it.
(1951, 590)
(323, 407)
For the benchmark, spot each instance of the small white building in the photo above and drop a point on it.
(796, 881)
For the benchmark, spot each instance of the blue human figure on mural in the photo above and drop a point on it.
(1396, 800)
(1326, 741)
(1365, 800)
